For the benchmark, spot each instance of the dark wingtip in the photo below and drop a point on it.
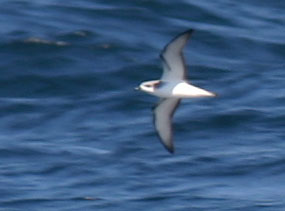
(171, 150)
(189, 31)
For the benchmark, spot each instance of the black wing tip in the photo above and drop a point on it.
(170, 149)
(189, 31)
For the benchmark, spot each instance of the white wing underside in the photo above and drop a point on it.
(173, 63)
(163, 114)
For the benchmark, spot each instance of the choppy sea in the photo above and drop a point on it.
(75, 135)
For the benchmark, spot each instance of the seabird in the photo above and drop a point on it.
(171, 88)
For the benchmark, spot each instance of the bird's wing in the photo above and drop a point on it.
(163, 113)
(173, 63)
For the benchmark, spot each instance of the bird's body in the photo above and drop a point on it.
(175, 89)
(171, 88)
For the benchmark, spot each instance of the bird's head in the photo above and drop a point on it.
(148, 86)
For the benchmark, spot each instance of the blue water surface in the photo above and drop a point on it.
(75, 135)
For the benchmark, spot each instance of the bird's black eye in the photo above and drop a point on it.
(148, 85)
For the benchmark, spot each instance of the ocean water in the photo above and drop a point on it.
(74, 135)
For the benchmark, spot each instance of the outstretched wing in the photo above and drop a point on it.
(173, 63)
(163, 113)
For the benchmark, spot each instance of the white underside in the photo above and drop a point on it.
(180, 89)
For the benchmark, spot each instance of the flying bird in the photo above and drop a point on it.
(171, 88)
